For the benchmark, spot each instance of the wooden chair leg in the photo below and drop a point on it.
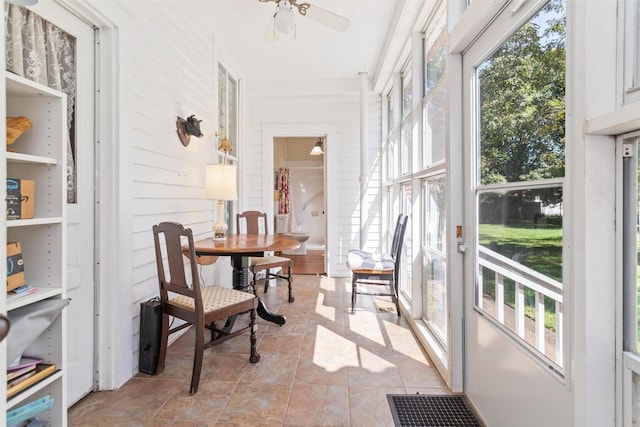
(254, 357)
(212, 327)
(289, 279)
(164, 338)
(354, 288)
(394, 297)
(267, 277)
(197, 358)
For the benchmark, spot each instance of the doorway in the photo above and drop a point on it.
(80, 334)
(299, 199)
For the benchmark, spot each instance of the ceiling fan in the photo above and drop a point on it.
(283, 18)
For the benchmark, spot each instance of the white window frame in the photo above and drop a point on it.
(629, 15)
(228, 119)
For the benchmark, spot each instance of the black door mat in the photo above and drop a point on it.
(432, 410)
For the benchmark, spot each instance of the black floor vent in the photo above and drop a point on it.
(432, 410)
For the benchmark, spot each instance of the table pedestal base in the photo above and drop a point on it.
(240, 281)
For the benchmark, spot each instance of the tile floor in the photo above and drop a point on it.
(324, 367)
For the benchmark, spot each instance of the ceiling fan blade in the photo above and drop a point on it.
(327, 18)
(271, 34)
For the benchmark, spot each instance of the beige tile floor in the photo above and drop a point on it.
(324, 367)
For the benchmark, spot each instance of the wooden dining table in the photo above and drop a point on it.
(240, 247)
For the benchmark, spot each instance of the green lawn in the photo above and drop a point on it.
(539, 248)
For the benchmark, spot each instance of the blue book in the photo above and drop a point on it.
(20, 289)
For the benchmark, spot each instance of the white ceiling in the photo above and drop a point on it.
(379, 29)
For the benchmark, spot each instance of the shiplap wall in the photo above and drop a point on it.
(341, 113)
(166, 72)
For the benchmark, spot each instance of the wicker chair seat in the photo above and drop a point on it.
(268, 259)
(214, 297)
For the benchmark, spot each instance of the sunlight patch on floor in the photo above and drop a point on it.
(332, 351)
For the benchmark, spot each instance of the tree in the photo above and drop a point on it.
(522, 102)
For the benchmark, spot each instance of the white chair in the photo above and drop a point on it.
(372, 269)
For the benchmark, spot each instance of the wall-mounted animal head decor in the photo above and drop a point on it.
(188, 127)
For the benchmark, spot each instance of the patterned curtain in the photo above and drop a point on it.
(284, 191)
(39, 51)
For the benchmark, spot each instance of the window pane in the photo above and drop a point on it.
(636, 41)
(434, 126)
(635, 392)
(434, 213)
(407, 119)
(407, 254)
(434, 293)
(637, 221)
(390, 214)
(223, 117)
(390, 138)
(520, 263)
(521, 112)
(435, 92)
(522, 105)
(407, 98)
(525, 226)
(232, 91)
(435, 66)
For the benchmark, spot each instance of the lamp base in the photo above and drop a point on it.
(220, 226)
(220, 231)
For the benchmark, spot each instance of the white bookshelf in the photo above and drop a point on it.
(40, 156)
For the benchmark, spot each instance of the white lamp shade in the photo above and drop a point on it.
(221, 182)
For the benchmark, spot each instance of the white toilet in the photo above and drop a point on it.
(301, 237)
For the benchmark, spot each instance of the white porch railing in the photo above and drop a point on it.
(525, 278)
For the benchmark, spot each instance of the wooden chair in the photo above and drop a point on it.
(252, 221)
(372, 269)
(199, 306)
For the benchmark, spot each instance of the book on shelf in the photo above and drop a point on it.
(23, 362)
(19, 372)
(12, 296)
(20, 378)
(42, 371)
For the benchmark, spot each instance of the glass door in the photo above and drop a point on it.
(514, 140)
(630, 278)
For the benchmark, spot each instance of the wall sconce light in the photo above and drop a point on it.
(221, 185)
(188, 127)
(224, 143)
(317, 149)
